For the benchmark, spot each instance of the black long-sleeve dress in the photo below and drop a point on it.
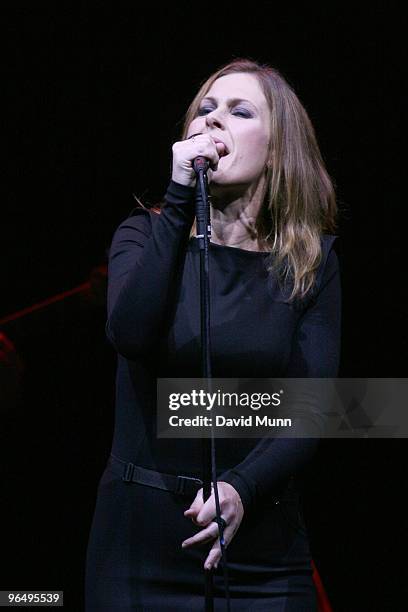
(134, 559)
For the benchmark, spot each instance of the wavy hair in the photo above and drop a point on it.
(299, 203)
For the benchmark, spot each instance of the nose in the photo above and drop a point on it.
(214, 119)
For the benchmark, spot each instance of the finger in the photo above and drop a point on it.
(206, 147)
(214, 555)
(205, 535)
(207, 512)
(191, 511)
(196, 505)
(221, 150)
(192, 514)
(213, 559)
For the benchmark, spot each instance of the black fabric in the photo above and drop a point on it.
(135, 560)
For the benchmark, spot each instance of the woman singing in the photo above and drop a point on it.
(275, 312)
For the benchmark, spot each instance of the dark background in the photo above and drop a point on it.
(95, 99)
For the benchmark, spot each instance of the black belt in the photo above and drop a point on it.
(182, 485)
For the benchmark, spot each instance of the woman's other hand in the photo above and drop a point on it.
(204, 515)
(185, 151)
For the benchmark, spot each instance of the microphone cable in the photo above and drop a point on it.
(203, 222)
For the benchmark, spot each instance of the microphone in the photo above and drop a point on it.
(200, 164)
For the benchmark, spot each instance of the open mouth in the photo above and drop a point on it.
(225, 147)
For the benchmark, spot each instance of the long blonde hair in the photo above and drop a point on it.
(299, 202)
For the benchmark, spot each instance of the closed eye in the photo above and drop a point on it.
(241, 112)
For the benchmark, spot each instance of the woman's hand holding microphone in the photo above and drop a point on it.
(185, 151)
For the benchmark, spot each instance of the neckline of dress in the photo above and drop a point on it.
(193, 240)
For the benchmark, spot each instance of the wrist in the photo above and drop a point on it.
(232, 490)
(179, 195)
(186, 181)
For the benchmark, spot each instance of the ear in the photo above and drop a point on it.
(270, 161)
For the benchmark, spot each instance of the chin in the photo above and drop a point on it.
(219, 183)
(219, 177)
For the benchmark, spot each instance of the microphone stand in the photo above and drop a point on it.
(209, 472)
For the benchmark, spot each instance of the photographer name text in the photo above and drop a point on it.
(222, 421)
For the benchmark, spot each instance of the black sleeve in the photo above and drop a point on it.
(315, 354)
(142, 263)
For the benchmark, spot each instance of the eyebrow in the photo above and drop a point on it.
(230, 101)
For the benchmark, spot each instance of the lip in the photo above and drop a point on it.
(222, 142)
